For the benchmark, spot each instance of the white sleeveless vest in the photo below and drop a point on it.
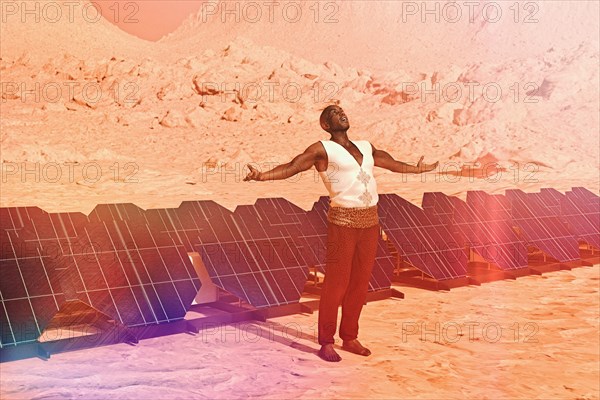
(349, 184)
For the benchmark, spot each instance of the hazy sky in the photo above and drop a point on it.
(148, 19)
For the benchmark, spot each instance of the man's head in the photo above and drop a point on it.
(334, 119)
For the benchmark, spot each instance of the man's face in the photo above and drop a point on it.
(337, 119)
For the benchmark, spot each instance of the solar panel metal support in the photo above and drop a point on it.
(22, 351)
(568, 265)
(42, 352)
(407, 275)
(285, 309)
(545, 267)
(234, 313)
(225, 316)
(484, 272)
(383, 294)
(312, 289)
(419, 283)
(589, 254)
(128, 336)
(46, 349)
(374, 295)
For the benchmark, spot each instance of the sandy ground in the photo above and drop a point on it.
(536, 337)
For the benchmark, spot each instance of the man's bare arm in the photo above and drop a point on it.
(300, 163)
(384, 160)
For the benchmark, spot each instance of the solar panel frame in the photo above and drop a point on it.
(502, 247)
(250, 244)
(580, 208)
(542, 227)
(422, 239)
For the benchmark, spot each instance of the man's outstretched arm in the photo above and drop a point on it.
(384, 160)
(300, 163)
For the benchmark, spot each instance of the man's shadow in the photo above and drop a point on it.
(276, 334)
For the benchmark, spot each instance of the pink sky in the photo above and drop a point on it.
(148, 19)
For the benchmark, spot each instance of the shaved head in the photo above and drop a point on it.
(323, 119)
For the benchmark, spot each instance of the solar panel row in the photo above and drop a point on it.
(132, 264)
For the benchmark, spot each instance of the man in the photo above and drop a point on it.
(346, 168)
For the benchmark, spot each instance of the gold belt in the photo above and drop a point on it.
(353, 217)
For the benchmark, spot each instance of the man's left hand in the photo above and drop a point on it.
(422, 167)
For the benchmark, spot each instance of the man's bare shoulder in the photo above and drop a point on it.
(316, 148)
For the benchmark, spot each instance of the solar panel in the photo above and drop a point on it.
(541, 204)
(492, 239)
(10, 218)
(581, 210)
(383, 270)
(118, 266)
(275, 224)
(135, 274)
(489, 207)
(192, 223)
(273, 217)
(226, 242)
(278, 217)
(31, 288)
(541, 226)
(314, 232)
(16, 313)
(422, 239)
(122, 211)
(551, 198)
(263, 272)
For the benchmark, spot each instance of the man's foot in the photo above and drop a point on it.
(327, 353)
(354, 346)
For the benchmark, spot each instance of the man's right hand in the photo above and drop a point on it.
(253, 175)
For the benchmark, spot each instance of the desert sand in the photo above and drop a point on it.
(91, 114)
(536, 337)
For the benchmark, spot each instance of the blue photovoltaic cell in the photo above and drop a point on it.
(422, 239)
(541, 226)
(494, 240)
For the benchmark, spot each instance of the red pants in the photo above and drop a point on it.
(350, 258)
